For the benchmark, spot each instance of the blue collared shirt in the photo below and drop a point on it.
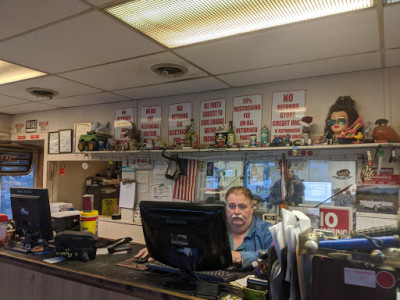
(258, 238)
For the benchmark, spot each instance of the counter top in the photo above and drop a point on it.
(101, 272)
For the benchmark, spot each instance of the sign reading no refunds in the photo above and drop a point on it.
(288, 108)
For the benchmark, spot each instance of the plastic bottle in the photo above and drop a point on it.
(221, 136)
(264, 136)
(195, 140)
(231, 135)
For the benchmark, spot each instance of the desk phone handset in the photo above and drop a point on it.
(120, 245)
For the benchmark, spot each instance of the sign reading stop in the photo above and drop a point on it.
(337, 219)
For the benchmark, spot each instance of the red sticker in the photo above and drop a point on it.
(385, 279)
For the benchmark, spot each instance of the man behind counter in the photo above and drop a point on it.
(247, 233)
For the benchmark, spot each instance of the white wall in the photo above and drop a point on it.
(377, 93)
(5, 127)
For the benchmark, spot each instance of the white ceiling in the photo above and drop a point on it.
(93, 58)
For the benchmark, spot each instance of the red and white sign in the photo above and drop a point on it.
(179, 117)
(34, 137)
(44, 126)
(288, 108)
(19, 128)
(150, 122)
(123, 119)
(124, 114)
(247, 117)
(336, 219)
(387, 179)
(212, 116)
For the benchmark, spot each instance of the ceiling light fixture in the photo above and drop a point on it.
(177, 23)
(11, 73)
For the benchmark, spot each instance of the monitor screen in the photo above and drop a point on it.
(31, 214)
(316, 192)
(188, 236)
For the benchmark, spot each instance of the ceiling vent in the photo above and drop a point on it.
(169, 70)
(42, 93)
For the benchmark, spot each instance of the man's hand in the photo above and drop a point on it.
(236, 258)
(143, 254)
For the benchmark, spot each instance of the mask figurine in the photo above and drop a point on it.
(343, 121)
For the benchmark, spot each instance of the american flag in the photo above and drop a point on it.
(185, 185)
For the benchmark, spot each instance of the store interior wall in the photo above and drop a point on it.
(376, 93)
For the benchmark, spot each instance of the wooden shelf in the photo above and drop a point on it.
(241, 153)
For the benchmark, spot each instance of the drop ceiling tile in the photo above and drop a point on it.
(392, 57)
(26, 108)
(307, 69)
(131, 73)
(174, 88)
(81, 100)
(63, 86)
(322, 38)
(391, 17)
(83, 41)
(100, 2)
(19, 16)
(6, 101)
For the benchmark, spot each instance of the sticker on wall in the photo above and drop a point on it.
(19, 128)
(44, 126)
(31, 126)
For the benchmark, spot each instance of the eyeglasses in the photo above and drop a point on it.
(232, 206)
(341, 121)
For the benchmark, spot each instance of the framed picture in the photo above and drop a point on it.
(54, 142)
(65, 141)
(80, 129)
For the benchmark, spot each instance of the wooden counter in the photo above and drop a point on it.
(26, 276)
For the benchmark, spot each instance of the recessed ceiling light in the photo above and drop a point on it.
(177, 23)
(10, 72)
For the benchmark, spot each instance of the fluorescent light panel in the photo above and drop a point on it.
(177, 23)
(10, 72)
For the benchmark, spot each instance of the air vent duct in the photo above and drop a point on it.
(42, 93)
(169, 70)
(15, 160)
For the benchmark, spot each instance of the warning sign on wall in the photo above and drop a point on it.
(288, 108)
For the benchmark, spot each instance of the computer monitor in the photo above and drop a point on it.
(31, 214)
(188, 236)
(317, 192)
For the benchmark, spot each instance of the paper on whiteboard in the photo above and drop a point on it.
(127, 195)
(161, 192)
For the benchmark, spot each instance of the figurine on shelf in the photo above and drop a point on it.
(306, 123)
(157, 143)
(134, 134)
(343, 121)
(368, 133)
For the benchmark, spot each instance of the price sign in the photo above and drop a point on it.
(337, 219)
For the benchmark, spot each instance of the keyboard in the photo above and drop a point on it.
(213, 276)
